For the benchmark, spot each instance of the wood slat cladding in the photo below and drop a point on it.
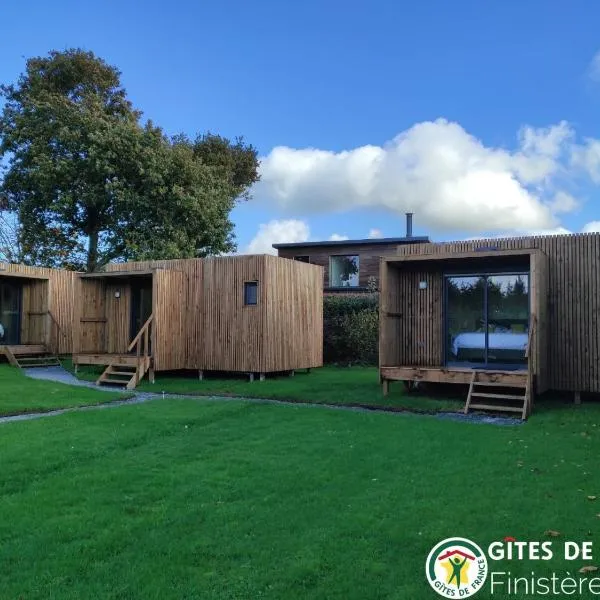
(565, 289)
(169, 324)
(294, 306)
(369, 256)
(201, 321)
(44, 290)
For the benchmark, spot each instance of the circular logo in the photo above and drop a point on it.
(456, 568)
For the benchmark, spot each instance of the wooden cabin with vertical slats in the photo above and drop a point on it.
(36, 314)
(248, 314)
(508, 317)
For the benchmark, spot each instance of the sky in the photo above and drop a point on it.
(481, 118)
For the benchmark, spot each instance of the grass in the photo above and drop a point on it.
(200, 499)
(20, 395)
(355, 386)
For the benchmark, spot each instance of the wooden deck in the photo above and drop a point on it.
(105, 359)
(451, 375)
(29, 355)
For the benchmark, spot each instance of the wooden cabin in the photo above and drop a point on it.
(246, 314)
(36, 306)
(508, 317)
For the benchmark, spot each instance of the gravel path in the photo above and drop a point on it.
(60, 375)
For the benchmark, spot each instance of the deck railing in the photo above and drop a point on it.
(141, 342)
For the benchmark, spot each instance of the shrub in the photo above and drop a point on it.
(351, 329)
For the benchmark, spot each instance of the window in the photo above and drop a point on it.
(305, 259)
(343, 271)
(251, 293)
(487, 319)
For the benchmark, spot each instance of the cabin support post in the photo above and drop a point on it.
(308, 371)
(386, 387)
(577, 397)
(151, 373)
(292, 373)
(75, 366)
(200, 374)
(251, 377)
(262, 376)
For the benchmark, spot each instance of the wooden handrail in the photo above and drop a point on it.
(143, 331)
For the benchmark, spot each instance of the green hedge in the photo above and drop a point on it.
(351, 329)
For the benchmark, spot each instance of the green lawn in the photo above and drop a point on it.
(198, 499)
(19, 394)
(355, 386)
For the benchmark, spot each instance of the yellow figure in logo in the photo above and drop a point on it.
(457, 566)
(456, 569)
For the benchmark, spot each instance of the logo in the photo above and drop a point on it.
(456, 568)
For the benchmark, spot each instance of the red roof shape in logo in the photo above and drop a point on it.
(453, 553)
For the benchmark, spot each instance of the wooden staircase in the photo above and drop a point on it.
(506, 391)
(500, 391)
(30, 356)
(127, 370)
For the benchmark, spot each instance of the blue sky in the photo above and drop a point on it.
(480, 117)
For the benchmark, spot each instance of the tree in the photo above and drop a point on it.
(91, 184)
(10, 248)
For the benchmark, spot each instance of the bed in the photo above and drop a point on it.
(496, 341)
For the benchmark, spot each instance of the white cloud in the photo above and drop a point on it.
(336, 237)
(591, 227)
(375, 233)
(594, 68)
(450, 179)
(277, 232)
(563, 203)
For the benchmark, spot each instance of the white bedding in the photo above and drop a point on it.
(497, 341)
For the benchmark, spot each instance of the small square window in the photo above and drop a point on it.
(305, 259)
(251, 293)
(343, 271)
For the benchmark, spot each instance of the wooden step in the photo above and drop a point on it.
(123, 373)
(116, 381)
(503, 396)
(24, 349)
(516, 409)
(522, 384)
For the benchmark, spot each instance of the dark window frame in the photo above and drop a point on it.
(344, 287)
(301, 257)
(250, 285)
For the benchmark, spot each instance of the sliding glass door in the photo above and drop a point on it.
(10, 312)
(487, 320)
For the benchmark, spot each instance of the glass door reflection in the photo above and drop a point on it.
(507, 319)
(465, 314)
(487, 320)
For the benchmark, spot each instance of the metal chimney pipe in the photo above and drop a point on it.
(409, 223)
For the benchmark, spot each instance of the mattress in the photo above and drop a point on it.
(497, 341)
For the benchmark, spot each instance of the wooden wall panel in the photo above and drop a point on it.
(92, 317)
(233, 334)
(569, 321)
(118, 315)
(59, 300)
(169, 327)
(294, 315)
(34, 312)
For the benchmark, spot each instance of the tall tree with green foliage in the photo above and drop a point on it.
(91, 184)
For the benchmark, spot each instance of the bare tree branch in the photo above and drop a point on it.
(10, 248)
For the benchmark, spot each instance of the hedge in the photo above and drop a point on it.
(351, 329)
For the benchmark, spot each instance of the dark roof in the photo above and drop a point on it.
(369, 241)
